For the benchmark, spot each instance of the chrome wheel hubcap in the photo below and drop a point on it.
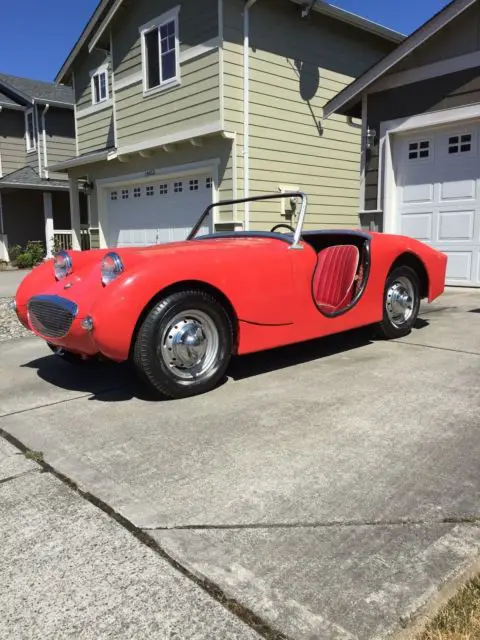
(189, 344)
(400, 301)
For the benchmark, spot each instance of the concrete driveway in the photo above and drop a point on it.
(326, 491)
(9, 281)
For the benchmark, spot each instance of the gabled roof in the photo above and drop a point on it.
(107, 9)
(27, 177)
(351, 95)
(28, 90)
(6, 101)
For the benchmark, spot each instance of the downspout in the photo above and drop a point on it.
(36, 126)
(246, 110)
(44, 132)
(1, 168)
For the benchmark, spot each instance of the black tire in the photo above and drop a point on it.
(160, 339)
(408, 282)
(68, 356)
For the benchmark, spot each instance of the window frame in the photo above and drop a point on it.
(103, 70)
(420, 149)
(459, 153)
(31, 144)
(156, 25)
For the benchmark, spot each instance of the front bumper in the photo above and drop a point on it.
(57, 320)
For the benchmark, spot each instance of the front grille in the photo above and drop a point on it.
(51, 316)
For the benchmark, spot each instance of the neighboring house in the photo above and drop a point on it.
(421, 111)
(37, 127)
(179, 104)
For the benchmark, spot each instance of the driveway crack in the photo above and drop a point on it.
(18, 475)
(233, 606)
(470, 519)
(430, 346)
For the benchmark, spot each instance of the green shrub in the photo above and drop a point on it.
(14, 251)
(32, 255)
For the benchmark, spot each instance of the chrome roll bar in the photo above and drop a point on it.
(273, 196)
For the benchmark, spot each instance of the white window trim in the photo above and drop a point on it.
(169, 16)
(30, 144)
(103, 69)
(386, 194)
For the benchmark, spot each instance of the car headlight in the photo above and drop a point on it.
(112, 267)
(62, 265)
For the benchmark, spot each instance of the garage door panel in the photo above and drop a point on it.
(413, 193)
(418, 225)
(459, 265)
(456, 226)
(458, 190)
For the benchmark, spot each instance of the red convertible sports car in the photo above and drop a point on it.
(179, 311)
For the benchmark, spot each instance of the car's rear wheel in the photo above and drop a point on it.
(184, 345)
(401, 303)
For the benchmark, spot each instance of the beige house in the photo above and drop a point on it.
(177, 107)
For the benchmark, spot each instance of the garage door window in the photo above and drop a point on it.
(178, 187)
(137, 192)
(125, 194)
(193, 185)
(208, 183)
(419, 150)
(460, 144)
(114, 195)
(164, 189)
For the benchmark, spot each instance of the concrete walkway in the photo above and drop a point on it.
(326, 491)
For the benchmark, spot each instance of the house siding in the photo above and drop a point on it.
(443, 92)
(60, 133)
(458, 38)
(12, 140)
(95, 129)
(195, 103)
(296, 66)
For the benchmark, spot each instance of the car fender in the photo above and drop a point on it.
(260, 292)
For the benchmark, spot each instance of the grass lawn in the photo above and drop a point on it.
(459, 619)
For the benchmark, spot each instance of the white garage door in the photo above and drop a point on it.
(438, 196)
(158, 211)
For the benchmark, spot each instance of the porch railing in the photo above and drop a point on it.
(63, 239)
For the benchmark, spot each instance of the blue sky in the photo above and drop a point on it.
(35, 37)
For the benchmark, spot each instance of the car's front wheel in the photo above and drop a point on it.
(184, 345)
(401, 303)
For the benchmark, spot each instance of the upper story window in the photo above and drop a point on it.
(30, 131)
(100, 86)
(161, 51)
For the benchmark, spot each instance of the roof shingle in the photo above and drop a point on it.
(27, 176)
(37, 89)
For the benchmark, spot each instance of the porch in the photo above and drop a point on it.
(33, 209)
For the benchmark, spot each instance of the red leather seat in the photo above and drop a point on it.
(335, 276)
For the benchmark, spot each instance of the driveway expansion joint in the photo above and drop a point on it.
(234, 607)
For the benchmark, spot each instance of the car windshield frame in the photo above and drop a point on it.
(290, 194)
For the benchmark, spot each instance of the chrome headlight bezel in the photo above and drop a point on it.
(62, 265)
(112, 267)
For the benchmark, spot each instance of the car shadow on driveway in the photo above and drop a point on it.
(110, 382)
